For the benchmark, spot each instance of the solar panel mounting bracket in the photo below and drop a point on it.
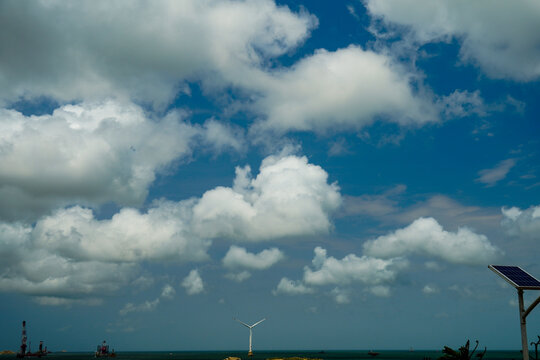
(521, 280)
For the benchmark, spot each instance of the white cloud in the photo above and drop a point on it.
(289, 197)
(380, 290)
(366, 270)
(58, 301)
(72, 254)
(180, 41)
(499, 36)
(345, 89)
(160, 234)
(430, 289)
(29, 269)
(291, 287)
(521, 223)
(144, 307)
(215, 43)
(238, 276)
(238, 257)
(90, 153)
(221, 137)
(168, 292)
(193, 283)
(425, 236)
(491, 176)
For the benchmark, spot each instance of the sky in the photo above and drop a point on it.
(345, 169)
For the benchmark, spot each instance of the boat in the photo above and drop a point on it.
(373, 353)
(103, 351)
(23, 353)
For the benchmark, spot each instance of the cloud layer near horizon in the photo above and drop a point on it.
(276, 199)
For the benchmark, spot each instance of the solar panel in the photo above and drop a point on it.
(516, 276)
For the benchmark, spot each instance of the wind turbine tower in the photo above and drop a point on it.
(250, 327)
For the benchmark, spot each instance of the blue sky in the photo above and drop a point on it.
(345, 169)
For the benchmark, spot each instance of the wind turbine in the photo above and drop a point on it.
(250, 327)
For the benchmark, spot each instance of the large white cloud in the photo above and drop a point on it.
(161, 234)
(239, 257)
(345, 89)
(500, 36)
(90, 153)
(141, 50)
(427, 237)
(150, 52)
(289, 197)
(71, 253)
(521, 223)
(366, 270)
(28, 269)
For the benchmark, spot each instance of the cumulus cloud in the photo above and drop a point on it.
(29, 269)
(426, 237)
(291, 287)
(90, 153)
(490, 177)
(498, 36)
(521, 223)
(345, 89)
(129, 236)
(289, 197)
(366, 270)
(238, 257)
(215, 43)
(179, 42)
(193, 283)
(71, 253)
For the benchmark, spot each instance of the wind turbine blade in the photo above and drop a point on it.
(258, 322)
(243, 323)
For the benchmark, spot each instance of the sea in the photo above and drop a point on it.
(264, 355)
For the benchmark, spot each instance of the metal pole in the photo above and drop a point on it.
(523, 322)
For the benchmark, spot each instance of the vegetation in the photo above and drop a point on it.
(462, 354)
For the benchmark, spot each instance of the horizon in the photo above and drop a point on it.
(346, 169)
